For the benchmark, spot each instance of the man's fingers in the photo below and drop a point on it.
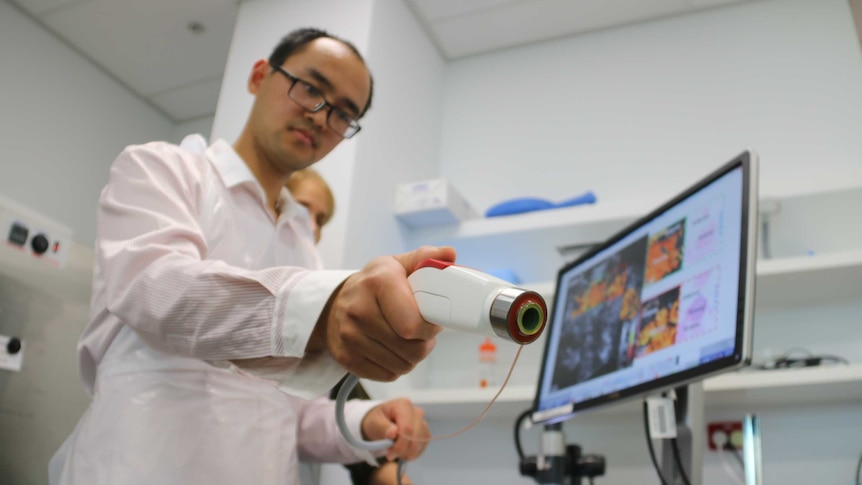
(398, 303)
(412, 259)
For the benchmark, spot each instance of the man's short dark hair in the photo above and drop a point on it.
(297, 40)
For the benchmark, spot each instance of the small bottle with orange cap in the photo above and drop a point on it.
(488, 371)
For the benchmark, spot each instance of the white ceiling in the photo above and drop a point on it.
(147, 45)
(467, 27)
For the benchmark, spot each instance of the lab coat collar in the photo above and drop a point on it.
(234, 172)
(230, 166)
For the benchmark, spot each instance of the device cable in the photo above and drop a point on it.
(649, 445)
(351, 381)
(678, 460)
(728, 469)
(722, 446)
(733, 451)
(858, 471)
(518, 422)
(787, 360)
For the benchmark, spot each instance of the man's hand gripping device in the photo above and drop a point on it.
(467, 300)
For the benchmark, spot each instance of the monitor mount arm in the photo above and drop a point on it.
(559, 463)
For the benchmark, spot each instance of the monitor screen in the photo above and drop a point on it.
(664, 302)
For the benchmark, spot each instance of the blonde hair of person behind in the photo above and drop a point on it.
(297, 178)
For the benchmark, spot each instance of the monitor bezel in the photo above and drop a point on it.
(741, 357)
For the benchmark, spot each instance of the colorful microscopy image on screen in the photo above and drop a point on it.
(659, 317)
(602, 317)
(665, 253)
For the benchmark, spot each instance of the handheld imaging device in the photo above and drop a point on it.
(466, 300)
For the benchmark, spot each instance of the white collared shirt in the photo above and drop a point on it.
(190, 264)
(193, 273)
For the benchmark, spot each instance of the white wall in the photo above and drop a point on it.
(401, 135)
(202, 125)
(62, 123)
(260, 26)
(646, 109)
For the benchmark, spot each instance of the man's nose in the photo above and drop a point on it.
(318, 118)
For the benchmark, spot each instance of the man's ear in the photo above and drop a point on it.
(258, 73)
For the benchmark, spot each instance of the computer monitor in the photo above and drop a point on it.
(663, 303)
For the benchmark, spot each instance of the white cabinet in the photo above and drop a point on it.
(815, 242)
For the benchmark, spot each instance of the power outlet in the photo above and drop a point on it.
(724, 432)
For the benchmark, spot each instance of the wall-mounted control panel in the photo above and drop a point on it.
(33, 236)
(11, 353)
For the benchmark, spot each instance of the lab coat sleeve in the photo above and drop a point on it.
(153, 264)
(319, 439)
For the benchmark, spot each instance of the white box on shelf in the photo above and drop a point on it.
(431, 202)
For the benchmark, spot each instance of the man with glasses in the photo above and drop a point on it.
(212, 326)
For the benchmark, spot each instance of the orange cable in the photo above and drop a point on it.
(484, 412)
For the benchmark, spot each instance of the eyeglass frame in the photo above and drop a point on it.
(353, 123)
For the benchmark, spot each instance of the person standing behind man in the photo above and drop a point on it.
(212, 322)
(311, 191)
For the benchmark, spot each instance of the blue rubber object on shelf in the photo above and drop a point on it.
(530, 204)
(586, 198)
(518, 206)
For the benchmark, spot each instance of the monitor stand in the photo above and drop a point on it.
(691, 436)
(752, 461)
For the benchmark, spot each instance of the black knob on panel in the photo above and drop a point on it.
(13, 345)
(39, 243)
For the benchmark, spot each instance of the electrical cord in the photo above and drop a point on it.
(733, 451)
(858, 471)
(350, 382)
(723, 445)
(649, 445)
(807, 359)
(727, 468)
(518, 422)
(676, 458)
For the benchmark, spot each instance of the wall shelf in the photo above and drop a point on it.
(806, 280)
(822, 278)
(528, 243)
(531, 244)
(749, 388)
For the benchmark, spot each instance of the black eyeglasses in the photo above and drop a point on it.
(311, 99)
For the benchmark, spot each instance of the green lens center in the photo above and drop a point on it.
(530, 319)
